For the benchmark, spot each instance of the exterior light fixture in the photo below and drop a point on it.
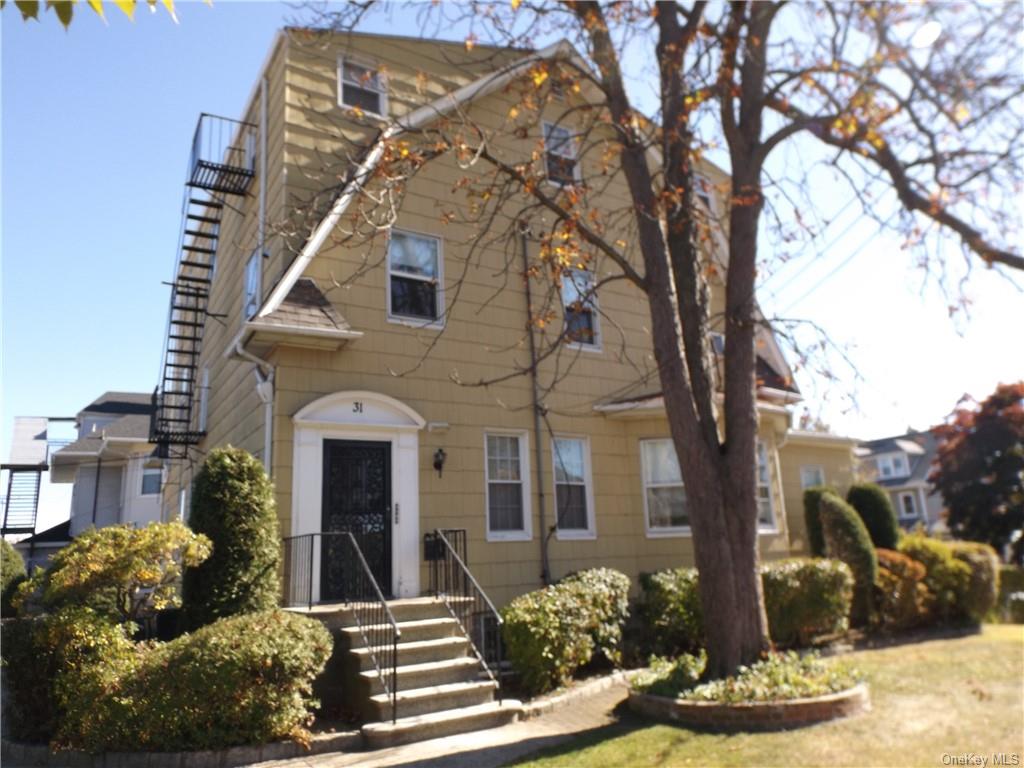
(439, 458)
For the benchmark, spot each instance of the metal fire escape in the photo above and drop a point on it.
(221, 167)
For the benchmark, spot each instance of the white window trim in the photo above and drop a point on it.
(183, 505)
(774, 527)
(887, 458)
(598, 343)
(913, 500)
(413, 322)
(367, 64)
(660, 532)
(524, 465)
(257, 258)
(577, 172)
(821, 473)
(142, 480)
(204, 398)
(577, 534)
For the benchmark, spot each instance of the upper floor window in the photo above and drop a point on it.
(765, 507)
(574, 506)
(204, 398)
(702, 188)
(253, 289)
(414, 277)
(560, 161)
(892, 465)
(507, 485)
(811, 475)
(151, 479)
(665, 508)
(580, 302)
(362, 87)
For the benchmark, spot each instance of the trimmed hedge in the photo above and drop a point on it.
(983, 586)
(947, 578)
(847, 539)
(874, 507)
(552, 632)
(803, 597)
(812, 518)
(902, 601)
(12, 573)
(242, 680)
(232, 504)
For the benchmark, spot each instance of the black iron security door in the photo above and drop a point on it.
(356, 498)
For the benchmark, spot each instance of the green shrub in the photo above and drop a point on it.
(874, 507)
(120, 571)
(39, 651)
(233, 504)
(552, 632)
(780, 677)
(983, 586)
(606, 591)
(12, 573)
(668, 677)
(902, 600)
(806, 597)
(241, 680)
(672, 611)
(847, 539)
(1015, 607)
(812, 518)
(947, 578)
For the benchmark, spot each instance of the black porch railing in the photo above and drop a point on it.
(353, 584)
(451, 581)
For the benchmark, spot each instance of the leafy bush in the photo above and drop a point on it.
(12, 573)
(552, 632)
(806, 597)
(812, 517)
(1015, 607)
(668, 677)
(233, 504)
(947, 578)
(983, 586)
(242, 680)
(607, 593)
(874, 507)
(902, 600)
(39, 650)
(672, 611)
(847, 539)
(120, 571)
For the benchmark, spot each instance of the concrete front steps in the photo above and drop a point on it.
(442, 689)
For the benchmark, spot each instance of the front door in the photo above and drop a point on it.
(356, 498)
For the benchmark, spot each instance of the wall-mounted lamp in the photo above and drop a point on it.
(439, 457)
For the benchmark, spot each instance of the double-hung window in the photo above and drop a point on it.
(253, 289)
(151, 479)
(508, 486)
(574, 504)
(560, 161)
(892, 465)
(414, 277)
(665, 508)
(580, 303)
(362, 87)
(765, 508)
(811, 475)
(908, 505)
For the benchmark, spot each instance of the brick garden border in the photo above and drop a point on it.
(753, 716)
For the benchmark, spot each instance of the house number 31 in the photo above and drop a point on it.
(357, 407)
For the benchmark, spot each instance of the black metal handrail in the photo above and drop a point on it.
(452, 582)
(223, 156)
(359, 590)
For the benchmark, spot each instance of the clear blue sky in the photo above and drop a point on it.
(96, 129)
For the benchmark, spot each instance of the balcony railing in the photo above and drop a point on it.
(223, 155)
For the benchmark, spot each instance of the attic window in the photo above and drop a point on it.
(560, 159)
(362, 87)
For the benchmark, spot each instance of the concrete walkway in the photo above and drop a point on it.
(481, 749)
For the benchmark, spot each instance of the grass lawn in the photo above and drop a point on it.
(930, 698)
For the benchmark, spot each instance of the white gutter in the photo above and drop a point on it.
(342, 334)
(416, 119)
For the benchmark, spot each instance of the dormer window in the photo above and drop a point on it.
(892, 465)
(362, 87)
(580, 302)
(560, 161)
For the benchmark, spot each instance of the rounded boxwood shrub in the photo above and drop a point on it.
(947, 578)
(552, 632)
(233, 505)
(902, 600)
(672, 612)
(812, 517)
(241, 680)
(12, 573)
(874, 507)
(983, 586)
(805, 597)
(847, 539)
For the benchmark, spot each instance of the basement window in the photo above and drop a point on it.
(362, 87)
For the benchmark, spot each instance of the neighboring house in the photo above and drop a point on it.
(37, 549)
(116, 478)
(901, 465)
(316, 363)
(808, 459)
